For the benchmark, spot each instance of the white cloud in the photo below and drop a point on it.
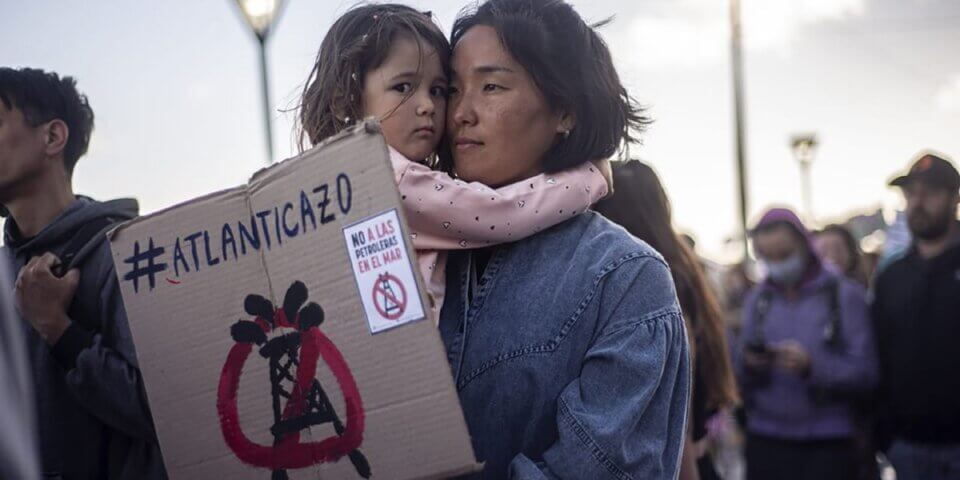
(659, 42)
(696, 32)
(948, 96)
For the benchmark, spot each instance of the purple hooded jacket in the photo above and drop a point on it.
(783, 404)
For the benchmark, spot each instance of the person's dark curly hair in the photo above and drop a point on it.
(45, 96)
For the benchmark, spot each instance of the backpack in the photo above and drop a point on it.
(82, 243)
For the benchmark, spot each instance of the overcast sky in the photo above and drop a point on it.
(175, 88)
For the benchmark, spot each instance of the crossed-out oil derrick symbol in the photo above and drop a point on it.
(292, 361)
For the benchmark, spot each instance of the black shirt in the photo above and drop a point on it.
(916, 311)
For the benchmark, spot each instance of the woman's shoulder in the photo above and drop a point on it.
(606, 252)
(594, 261)
(599, 238)
(632, 276)
(850, 290)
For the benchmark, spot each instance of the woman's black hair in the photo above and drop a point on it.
(359, 41)
(572, 66)
(640, 205)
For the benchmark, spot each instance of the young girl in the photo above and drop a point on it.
(390, 62)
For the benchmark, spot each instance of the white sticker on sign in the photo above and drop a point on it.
(384, 272)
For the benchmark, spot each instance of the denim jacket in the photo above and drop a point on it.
(571, 360)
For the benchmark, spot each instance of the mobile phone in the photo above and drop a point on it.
(758, 348)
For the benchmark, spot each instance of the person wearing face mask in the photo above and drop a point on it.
(916, 310)
(805, 354)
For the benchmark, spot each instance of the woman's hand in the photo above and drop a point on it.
(792, 357)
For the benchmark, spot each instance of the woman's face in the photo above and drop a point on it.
(833, 249)
(499, 122)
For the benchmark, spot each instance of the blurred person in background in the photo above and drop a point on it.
(93, 419)
(736, 284)
(805, 352)
(871, 260)
(713, 270)
(916, 310)
(18, 429)
(838, 247)
(640, 204)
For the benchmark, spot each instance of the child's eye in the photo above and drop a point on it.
(404, 87)
(438, 91)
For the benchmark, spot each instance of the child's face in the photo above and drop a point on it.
(413, 126)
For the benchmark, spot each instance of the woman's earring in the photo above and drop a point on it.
(566, 134)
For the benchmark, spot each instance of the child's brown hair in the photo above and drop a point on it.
(359, 41)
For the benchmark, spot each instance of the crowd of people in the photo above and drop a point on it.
(836, 363)
(622, 353)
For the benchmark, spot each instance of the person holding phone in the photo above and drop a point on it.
(805, 355)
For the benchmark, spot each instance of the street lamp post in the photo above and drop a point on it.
(804, 148)
(260, 15)
(739, 121)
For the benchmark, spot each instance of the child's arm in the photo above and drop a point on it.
(445, 213)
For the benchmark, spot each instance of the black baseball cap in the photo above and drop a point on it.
(932, 170)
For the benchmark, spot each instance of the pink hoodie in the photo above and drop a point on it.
(449, 214)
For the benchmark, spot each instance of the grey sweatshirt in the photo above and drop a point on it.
(93, 417)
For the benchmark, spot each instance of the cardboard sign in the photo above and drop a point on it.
(254, 312)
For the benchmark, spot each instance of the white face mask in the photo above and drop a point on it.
(788, 272)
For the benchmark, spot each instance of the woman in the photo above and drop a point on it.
(567, 347)
(837, 246)
(641, 206)
(804, 360)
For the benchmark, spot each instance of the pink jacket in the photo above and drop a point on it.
(449, 214)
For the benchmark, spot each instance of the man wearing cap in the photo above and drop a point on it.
(916, 311)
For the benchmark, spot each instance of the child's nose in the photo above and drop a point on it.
(425, 105)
